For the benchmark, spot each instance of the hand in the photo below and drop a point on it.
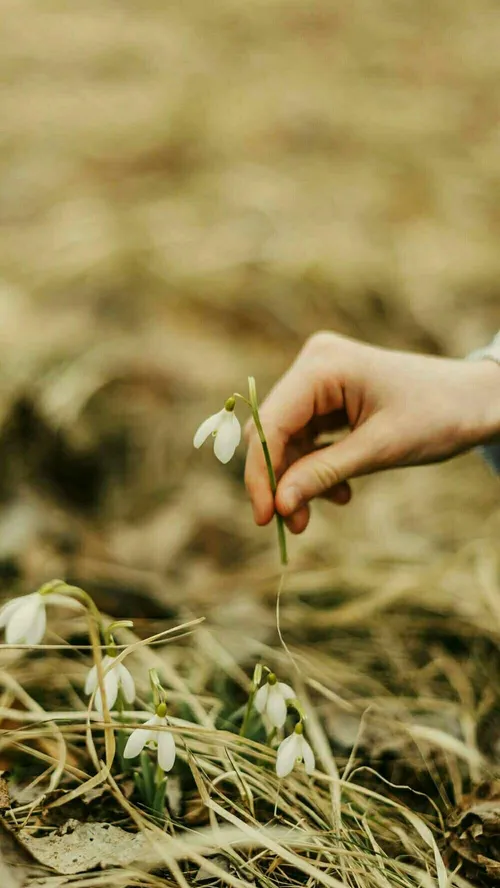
(398, 409)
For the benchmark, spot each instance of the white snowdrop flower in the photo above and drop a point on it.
(117, 677)
(24, 619)
(271, 699)
(225, 428)
(149, 735)
(294, 750)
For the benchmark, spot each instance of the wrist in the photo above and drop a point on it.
(485, 393)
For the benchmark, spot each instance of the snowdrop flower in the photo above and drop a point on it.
(293, 750)
(149, 735)
(24, 619)
(225, 428)
(271, 699)
(117, 677)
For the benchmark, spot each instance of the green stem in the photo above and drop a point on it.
(271, 736)
(75, 592)
(254, 404)
(248, 712)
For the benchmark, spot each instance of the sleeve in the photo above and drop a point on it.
(491, 352)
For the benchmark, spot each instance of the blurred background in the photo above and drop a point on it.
(188, 191)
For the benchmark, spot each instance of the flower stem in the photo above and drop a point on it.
(248, 712)
(254, 404)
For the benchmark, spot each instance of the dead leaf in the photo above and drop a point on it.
(205, 875)
(4, 794)
(473, 835)
(16, 865)
(81, 847)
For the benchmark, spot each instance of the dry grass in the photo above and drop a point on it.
(187, 191)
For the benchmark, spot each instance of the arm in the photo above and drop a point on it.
(491, 452)
(395, 409)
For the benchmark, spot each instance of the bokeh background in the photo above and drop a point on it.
(187, 191)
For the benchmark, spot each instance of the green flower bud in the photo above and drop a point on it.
(230, 404)
(161, 710)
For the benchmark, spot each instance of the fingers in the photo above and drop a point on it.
(324, 472)
(287, 410)
(341, 494)
(298, 522)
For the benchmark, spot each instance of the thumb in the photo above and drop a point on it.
(359, 453)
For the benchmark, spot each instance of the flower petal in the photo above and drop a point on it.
(207, 427)
(111, 689)
(166, 750)
(63, 600)
(288, 752)
(36, 631)
(228, 437)
(286, 691)
(126, 682)
(308, 756)
(92, 678)
(136, 742)
(91, 681)
(276, 708)
(260, 699)
(9, 609)
(21, 620)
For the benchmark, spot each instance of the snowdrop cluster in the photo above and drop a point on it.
(271, 701)
(25, 620)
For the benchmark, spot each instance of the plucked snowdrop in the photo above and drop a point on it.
(293, 750)
(271, 700)
(24, 619)
(150, 736)
(225, 428)
(116, 678)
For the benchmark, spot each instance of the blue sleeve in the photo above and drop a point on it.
(491, 452)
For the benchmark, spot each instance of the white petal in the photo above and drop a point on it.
(91, 681)
(166, 750)
(276, 708)
(207, 427)
(111, 688)
(36, 631)
(138, 738)
(228, 437)
(136, 742)
(308, 756)
(21, 620)
(286, 691)
(63, 600)
(9, 609)
(127, 683)
(260, 699)
(287, 755)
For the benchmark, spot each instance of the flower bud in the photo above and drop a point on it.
(161, 710)
(230, 404)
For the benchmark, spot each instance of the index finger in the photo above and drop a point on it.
(288, 408)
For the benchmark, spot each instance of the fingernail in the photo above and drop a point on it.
(290, 499)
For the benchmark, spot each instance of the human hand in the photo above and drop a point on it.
(399, 409)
